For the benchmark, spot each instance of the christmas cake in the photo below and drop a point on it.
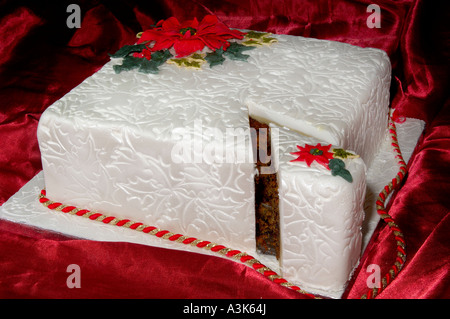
(252, 140)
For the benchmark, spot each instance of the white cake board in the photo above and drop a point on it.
(385, 168)
(24, 207)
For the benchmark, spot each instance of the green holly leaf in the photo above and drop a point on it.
(194, 61)
(336, 164)
(345, 174)
(160, 57)
(215, 58)
(337, 167)
(251, 42)
(341, 153)
(269, 40)
(128, 63)
(179, 62)
(187, 63)
(254, 38)
(149, 66)
(126, 50)
(234, 51)
(142, 64)
(256, 35)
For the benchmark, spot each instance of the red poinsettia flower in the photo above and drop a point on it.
(190, 36)
(311, 153)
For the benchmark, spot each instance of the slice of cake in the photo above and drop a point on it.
(321, 211)
(172, 146)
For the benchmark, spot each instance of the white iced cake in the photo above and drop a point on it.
(174, 149)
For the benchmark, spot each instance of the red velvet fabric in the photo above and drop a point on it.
(41, 59)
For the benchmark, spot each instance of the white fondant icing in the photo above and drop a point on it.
(23, 207)
(320, 218)
(109, 144)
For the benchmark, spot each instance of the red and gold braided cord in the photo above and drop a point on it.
(382, 211)
(236, 255)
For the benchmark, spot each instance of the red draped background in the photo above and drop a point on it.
(41, 59)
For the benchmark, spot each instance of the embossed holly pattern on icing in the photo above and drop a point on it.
(115, 123)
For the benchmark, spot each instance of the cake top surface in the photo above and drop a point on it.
(314, 86)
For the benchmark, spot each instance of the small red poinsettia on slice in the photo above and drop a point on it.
(190, 36)
(319, 153)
